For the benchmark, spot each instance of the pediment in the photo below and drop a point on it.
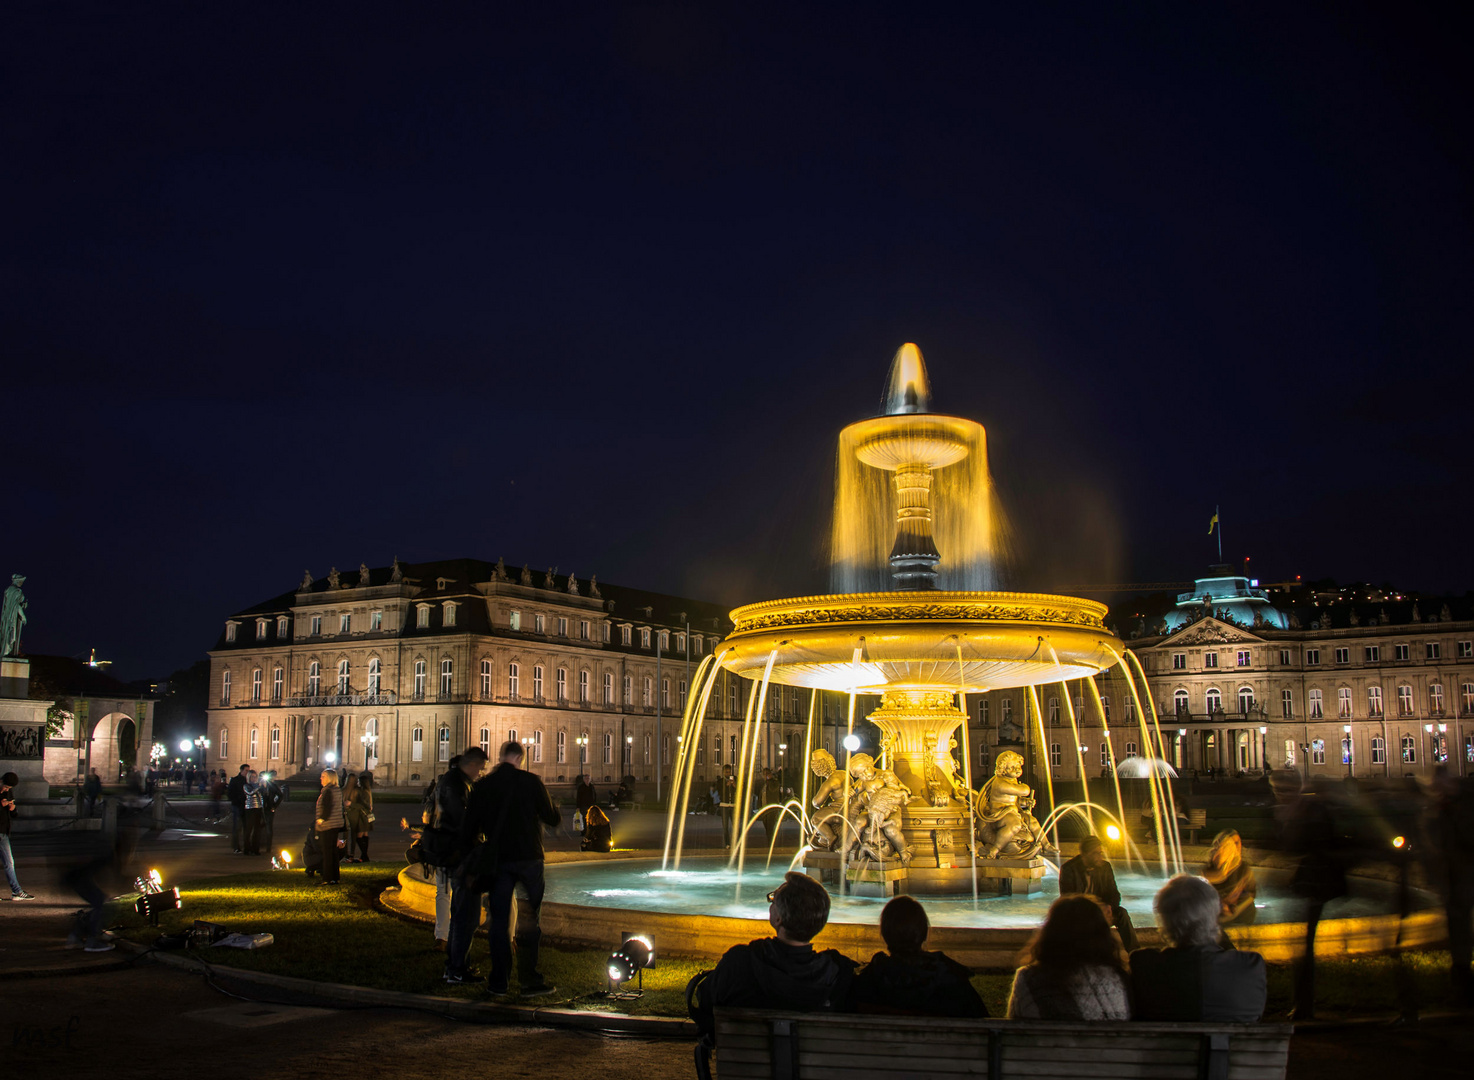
(1211, 631)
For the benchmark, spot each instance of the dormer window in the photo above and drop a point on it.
(440, 583)
(665, 641)
(422, 615)
(696, 642)
(625, 634)
(515, 620)
(644, 637)
(261, 629)
(540, 624)
(282, 626)
(680, 643)
(449, 617)
(230, 631)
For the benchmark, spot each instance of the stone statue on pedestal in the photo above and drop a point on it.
(828, 802)
(876, 798)
(333, 578)
(572, 583)
(526, 578)
(396, 575)
(363, 575)
(594, 586)
(12, 616)
(306, 581)
(1006, 826)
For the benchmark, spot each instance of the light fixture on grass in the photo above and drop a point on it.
(154, 899)
(282, 861)
(629, 961)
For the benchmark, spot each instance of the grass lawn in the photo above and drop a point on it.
(339, 935)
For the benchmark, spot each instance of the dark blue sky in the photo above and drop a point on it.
(284, 288)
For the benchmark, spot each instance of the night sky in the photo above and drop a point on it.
(282, 289)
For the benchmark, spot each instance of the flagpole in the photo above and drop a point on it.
(1220, 533)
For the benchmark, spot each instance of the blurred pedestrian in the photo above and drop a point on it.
(1089, 873)
(358, 804)
(235, 791)
(1073, 969)
(1309, 833)
(92, 790)
(1228, 871)
(7, 857)
(271, 798)
(329, 819)
(1455, 827)
(440, 837)
(252, 804)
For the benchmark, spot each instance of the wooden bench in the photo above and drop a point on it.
(753, 1043)
(1197, 818)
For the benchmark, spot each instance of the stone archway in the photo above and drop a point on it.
(113, 745)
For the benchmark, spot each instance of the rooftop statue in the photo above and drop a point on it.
(594, 586)
(396, 574)
(572, 583)
(306, 581)
(363, 575)
(12, 616)
(501, 571)
(548, 582)
(333, 577)
(526, 576)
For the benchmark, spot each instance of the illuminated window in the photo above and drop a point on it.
(1317, 707)
(485, 679)
(417, 744)
(448, 618)
(537, 682)
(562, 747)
(583, 687)
(537, 747)
(514, 680)
(1409, 750)
(485, 741)
(275, 743)
(254, 744)
(314, 679)
(1243, 658)
(1343, 703)
(276, 685)
(256, 684)
(514, 620)
(1374, 700)
(1379, 750)
(420, 679)
(1435, 699)
(1179, 661)
(224, 743)
(225, 687)
(422, 615)
(444, 744)
(608, 688)
(345, 622)
(342, 676)
(1405, 701)
(1317, 751)
(447, 670)
(562, 684)
(376, 620)
(539, 624)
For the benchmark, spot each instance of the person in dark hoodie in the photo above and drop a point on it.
(784, 972)
(910, 981)
(1090, 873)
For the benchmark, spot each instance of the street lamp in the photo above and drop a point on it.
(1346, 746)
(370, 740)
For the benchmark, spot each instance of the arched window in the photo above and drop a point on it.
(512, 735)
(1131, 749)
(648, 740)
(254, 744)
(665, 693)
(445, 744)
(224, 743)
(485, 741)
(562, 684)
(1246, 700)
(275, 743)
(1105, 754)
(314, 679)
(1105, 707)
(608, 688)
(256, 684)
(1214, 700)
(1179, 702)
(1316, 705)
(374, 675)
(1405, 700)
(649, 692)
(537, 682)
(1435, 699)
(417, 744)
(342, 676)
(562, 747)
(486, 680)
(419, 680)
(1374, 701)
(1287, 704)
(276, 685)
(583, 687)
(716, 749)
(537, 747)
(1054, 710)
(629, 690)
(514, 679)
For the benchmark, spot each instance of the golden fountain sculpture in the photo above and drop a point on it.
(905, 479)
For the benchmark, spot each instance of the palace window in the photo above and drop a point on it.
(716, 750)
(316, 626)
(261, 628)
(608, 748)
(1054, 755)
(276, 685)
(444, 744)
(448, 616)
(1372, 654)
(1343, 655)
(1317, 705)
(342, 676)
(1409, 750)
(417, 744)
(1131, 749)
(1105, 754)
(732, 747)
(1243, 658)
(649, 692)
(560, 746)
(608, 688)
(1312, 657)
(422, 615)
(1343, 703)
(225, 687)
(255, 744)
(583, 687)
(1005, 711)
(1317, 751)
(1287, 704)
(1210, 660)
(485, 741)
(537, 682)
(1105, 707)
(1432, 650)
(583, 629)
(256, 683)
(665, 693)
(644, 637)
(1246, 700)
(680, 642)
(1289, 753)
(1467, 692)
(697, 643)
(514, 620)
(1400, 652)
(683, 694)
(1179, 661)
(486, 680)
(1435, 699)
(514, 680)
(625, 633)
(562, 627)
(419, 680)
(1466, 650)
(314, 679)
(1054, 710)
(537, 747)
(345, 622)
(374, 675)
(275, 743)
(562, 684)
(230, 631)
(376, 620)
(665, 641)
(733, 708)
(447, 672)
(1179, 703)
(1405, 700)
(983, 710)
(1374, 701)
(540, 624)
(647, 748)
(512, 735)
(1379, 751)
(224, 743)
(1213, 699)
(281, 627)
(1284, 658)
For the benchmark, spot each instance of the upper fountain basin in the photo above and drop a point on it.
(910, 640)
(893, 442)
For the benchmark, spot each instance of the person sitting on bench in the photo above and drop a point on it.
(1195, 979)
(1074, 969)
(1090, 873)
(784, 972)
(910, 981)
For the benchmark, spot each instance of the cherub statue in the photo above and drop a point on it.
(828, 801)
(1005, 825)
(883, 823)
(876, 798)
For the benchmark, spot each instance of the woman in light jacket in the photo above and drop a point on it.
(329, 825)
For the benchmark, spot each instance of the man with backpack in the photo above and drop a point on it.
(502, 831)
(439, 844)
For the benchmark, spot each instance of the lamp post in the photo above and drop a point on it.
(583, 749)
(370, 740)
(782, 768)
(201, 745)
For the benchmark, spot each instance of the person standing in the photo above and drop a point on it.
(1090, 873)
(252, 811)
(329, 819)
(235, 791)
(358, 808)
(503, 831)
(585, 797)
(271, 795)
(189, 780)
(442, 835)
(92, 791)
(7, 857)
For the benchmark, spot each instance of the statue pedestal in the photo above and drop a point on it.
(823, 867)
(1010, 877)
(870, 878)
(22, 731)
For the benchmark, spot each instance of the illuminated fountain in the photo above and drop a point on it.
(914, 511)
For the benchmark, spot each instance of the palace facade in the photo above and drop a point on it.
(400, 668)
(1356, 692)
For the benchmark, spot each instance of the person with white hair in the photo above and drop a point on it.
(1195, 978)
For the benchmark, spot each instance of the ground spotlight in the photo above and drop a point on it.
(1112, 832)
(282, 861)
(152, 882)
(153, 904)
(629, 961)
(1399, 842)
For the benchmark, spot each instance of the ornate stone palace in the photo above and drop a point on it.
(400, 667)
(1240, 686)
